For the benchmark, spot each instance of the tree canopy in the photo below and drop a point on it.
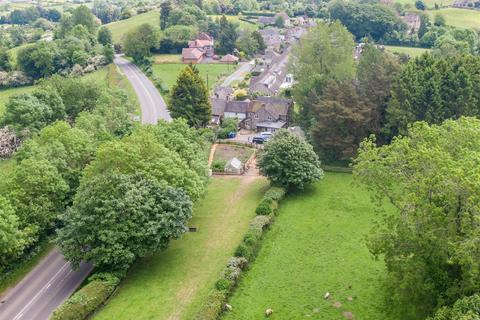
(289, 161)
(429, 240)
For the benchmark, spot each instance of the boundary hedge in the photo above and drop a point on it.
(88, 299)
(216, 301)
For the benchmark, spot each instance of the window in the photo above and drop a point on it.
(255, 116)
(269, 118)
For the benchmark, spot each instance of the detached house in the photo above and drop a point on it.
(200, 47)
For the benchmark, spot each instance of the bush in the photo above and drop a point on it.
(212, 308)
(275, 193)
(264, 208)
(243, 251)
(218, 165)
(223, 284)
(87, 299)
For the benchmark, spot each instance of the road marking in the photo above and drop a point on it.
(20, 314)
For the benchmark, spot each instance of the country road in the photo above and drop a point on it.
(151, 102)
(239, 74)
(43, 289)
(52, 281)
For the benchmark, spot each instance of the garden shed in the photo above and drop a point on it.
(234, 166)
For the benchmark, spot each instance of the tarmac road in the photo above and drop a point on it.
(50, 283)
(151, 102)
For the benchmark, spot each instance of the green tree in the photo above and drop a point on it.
(116, 218)
(165, 9)
(289, 161)
(439, 20)
(189, 98)
(37, 194)
(143, 152)
(104, 36)
(429, 238)
(68, 149)
(138, 42)
(420, 5)
(38, 60)
(227, 36)
(279, 22)
(33, 111)
(5, 60)
(82, 15)
(467, 308)
(12, 239)
(323, 54)
(108, 53)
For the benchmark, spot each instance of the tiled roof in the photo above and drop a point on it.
(191, 53)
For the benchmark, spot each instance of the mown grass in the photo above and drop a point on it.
(411, 51)
(460, 18)
(316, 245)
(210, 73)
(173, 284)
(119, 28)
(429, 3)
(241, 24)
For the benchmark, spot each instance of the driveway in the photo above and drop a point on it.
(152, 104)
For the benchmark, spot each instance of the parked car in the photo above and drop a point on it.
(259, 140)
(266, 135)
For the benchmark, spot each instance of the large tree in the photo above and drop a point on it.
(138, 42)
(227, 36)
(118, 217)
(165, 9)
(189, 98)
(12, 239)
(323, 54)
(428, 234)
(104, 36)
(289, 161)
(433, 89)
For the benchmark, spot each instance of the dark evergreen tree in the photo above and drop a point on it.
(165, 9)
(189, 98)
(227, 36)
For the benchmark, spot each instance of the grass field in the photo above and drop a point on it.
(173, 283)
(411, 51)
(429, 3)
(119, 28)
(460, 18)
(167, 58)
(315, 246)
(168, 72)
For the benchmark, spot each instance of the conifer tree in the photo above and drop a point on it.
(189, 98)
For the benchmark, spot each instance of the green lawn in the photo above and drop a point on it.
(211, 73)
(119, 28)
(411, 51)
(316, 245)
(172, 284)
(461, 18)
(429, 3)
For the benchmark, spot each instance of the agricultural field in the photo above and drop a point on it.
(211, 73)
(460, 18)
(316, 245)
(225, 152)
(119, 28)
(411, 51)
(173, 284)
(429, 3)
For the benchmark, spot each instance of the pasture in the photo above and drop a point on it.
(316, 245)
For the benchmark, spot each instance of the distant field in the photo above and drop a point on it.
(430, 3)
(412, 52)
(316, 245)
(173, 284)
(167, 58)
(461, 18)
(168, 72)
(119, 28)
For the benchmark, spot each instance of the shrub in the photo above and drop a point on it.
(218, 165)
(212, 308)
(264, 207)
(243, 251)
(87, 299)
(275, 193)
(223, 284)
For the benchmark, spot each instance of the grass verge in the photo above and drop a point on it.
(173, 284)
(316, 245)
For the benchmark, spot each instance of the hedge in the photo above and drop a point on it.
(246, 252)
(86, 300)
